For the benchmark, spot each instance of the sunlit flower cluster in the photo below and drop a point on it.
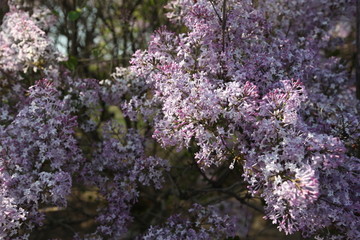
(228, 85)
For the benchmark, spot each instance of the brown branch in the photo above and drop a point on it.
(4, 8)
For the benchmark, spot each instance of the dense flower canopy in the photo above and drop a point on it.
(245, 86)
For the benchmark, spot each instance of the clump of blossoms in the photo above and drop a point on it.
(131, 94)
(24, 43)
(118, 166)
(26, 51)
(311, 26)
(203, 223)
(241, 92)
(43, 124)
(38, 154)
(243, 88)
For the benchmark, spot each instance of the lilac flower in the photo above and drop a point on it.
(41, 172)
(204, 225)
(223, 84)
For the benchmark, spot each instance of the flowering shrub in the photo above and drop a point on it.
(245, 93)
(205, 224)
(223, 85)
(38, 156)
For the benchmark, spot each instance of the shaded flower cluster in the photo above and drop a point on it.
(38, 156)
(119, 165)
(203, 224)
(42, 154)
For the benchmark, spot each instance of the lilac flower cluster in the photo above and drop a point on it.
(118, 166)
(25, 51)
(24, 44)
(42, 123)
(228, 84)
(130, 93)
(204, 223)
(38, 156)
(246, 85)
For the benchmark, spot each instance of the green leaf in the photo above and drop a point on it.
(56, 13)
(96, 51)
(71, 63)
(74, 15)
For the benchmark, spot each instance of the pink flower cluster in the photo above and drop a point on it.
(227, 86)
